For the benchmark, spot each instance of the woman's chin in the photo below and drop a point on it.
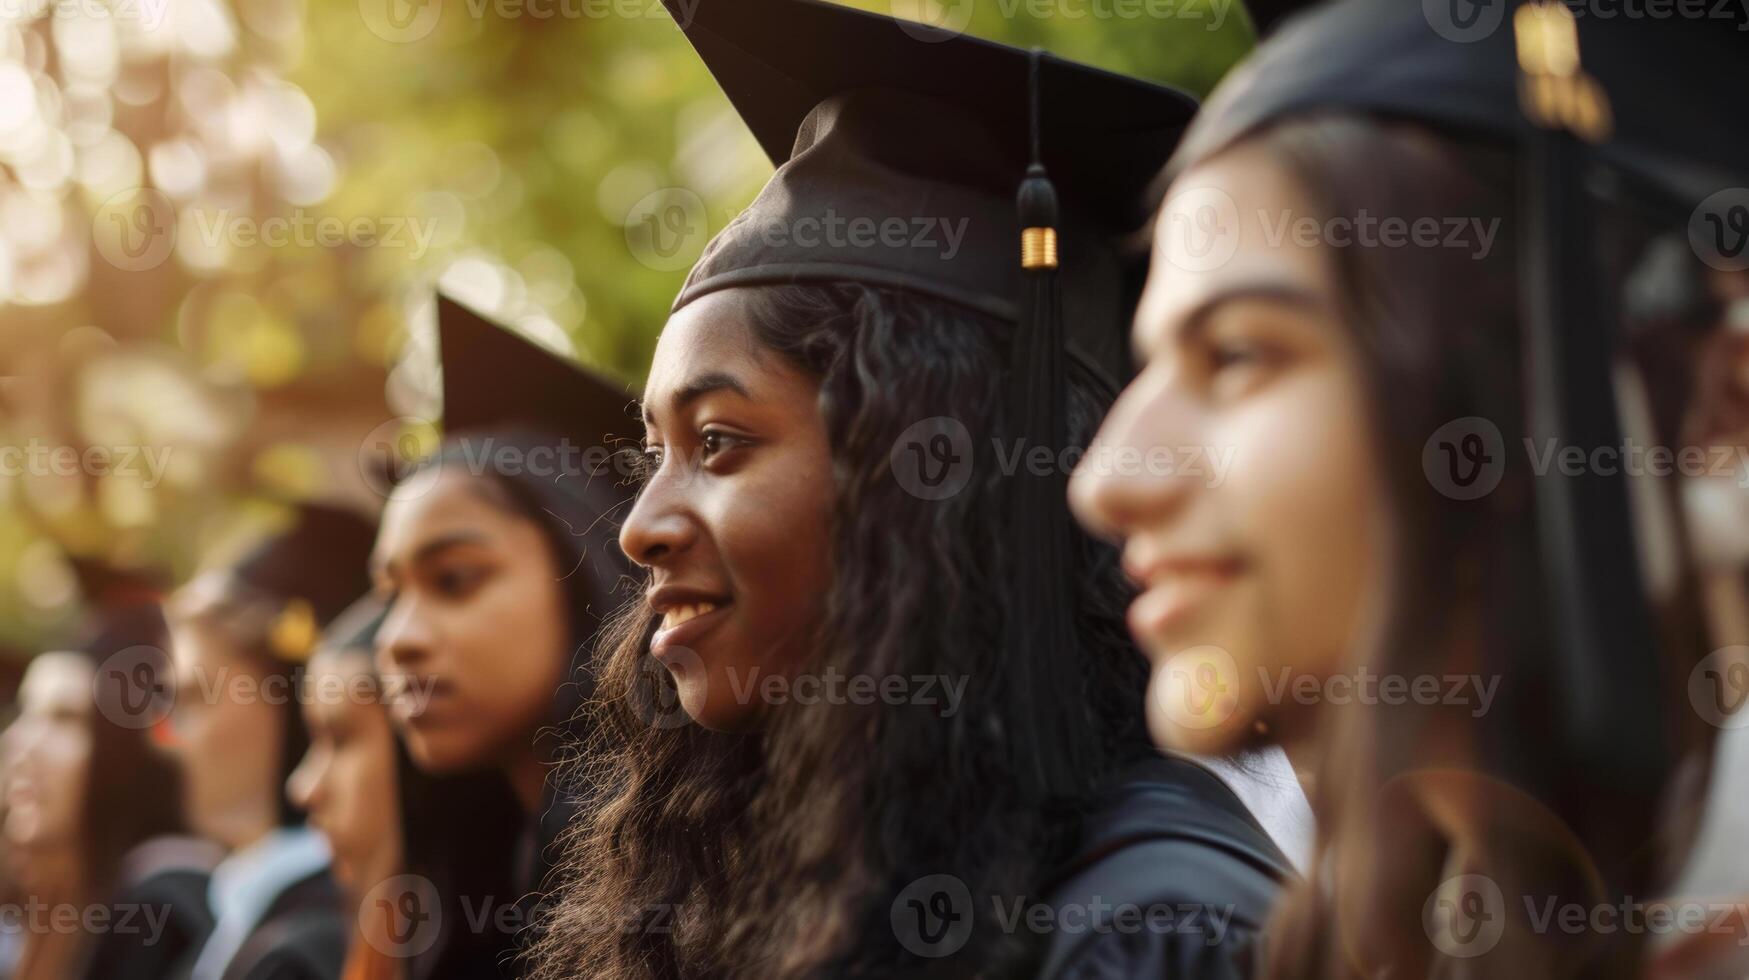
(438, 755)
(1195, 703)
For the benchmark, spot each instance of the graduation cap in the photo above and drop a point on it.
(123, 606)
(311, 571)
(1043, 167)
(876, 123)
(1645, 110)
(496, 380)
(1266, 15)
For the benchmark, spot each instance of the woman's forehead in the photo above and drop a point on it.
(711, 334)
(57, 678)
(428, 510)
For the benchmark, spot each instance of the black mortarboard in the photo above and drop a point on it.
(1267, 14)
(313, 570)
(494, 379)
(123, 607)
(1667, 81)
(1044, 168)
(1644, 110)
(874, 121)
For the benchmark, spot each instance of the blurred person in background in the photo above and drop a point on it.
(417, 856)
(85, 784)
(1718, 511)
(239, 638)
(1344, 541)
(496, 562)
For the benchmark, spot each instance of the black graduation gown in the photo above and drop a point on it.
(303, 936)
(1170, 841)
(168, 877)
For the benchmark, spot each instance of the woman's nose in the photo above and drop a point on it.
(660, 525)
(1127, 478)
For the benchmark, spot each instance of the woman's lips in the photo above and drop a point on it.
(682, 625)
(1175, 596)
(416, 700)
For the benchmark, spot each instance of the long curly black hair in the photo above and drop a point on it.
(780, 853)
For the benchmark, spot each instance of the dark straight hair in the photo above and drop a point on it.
(1438, 335)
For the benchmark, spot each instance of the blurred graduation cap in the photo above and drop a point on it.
(311, 572)
(496, 380)
(1045, 166)
(1267, 15)
(123, 606)
(1644, 111)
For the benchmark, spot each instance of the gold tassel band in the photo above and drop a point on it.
(1554, 89)
(294, 632)
(1038, 248)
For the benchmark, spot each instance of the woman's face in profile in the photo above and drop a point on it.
(733, 522)
(1236, 469)
(48, 755)
(346, 779)
(477, 637)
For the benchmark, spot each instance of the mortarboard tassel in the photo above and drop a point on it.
(1606, 679)
(1041, 630)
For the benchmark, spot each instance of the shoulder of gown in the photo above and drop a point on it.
(1174, 879)
(160, 914)
(303, 936)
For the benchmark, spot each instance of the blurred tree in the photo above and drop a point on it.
(220, 225)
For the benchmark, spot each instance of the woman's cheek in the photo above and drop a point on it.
(1322, 526)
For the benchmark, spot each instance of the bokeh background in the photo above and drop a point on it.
(221, 222)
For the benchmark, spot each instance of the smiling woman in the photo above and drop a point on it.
(831, 537)
(735, 512)
(1539, 630)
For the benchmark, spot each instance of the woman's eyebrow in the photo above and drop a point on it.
(436, 546)
(1194, 322)
(699, 386)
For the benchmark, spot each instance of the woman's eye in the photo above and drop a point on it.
(1231, 355)
(645, 463)
(714, 441)
(455, 582)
